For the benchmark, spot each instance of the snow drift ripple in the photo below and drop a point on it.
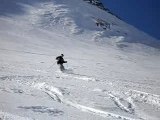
(57, 95)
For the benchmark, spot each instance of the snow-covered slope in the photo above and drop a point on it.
(112, 71)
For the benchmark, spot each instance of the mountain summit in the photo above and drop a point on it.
(97, 3)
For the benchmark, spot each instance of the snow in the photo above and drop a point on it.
(111, 73)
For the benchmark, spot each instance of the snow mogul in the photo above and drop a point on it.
(60, 62)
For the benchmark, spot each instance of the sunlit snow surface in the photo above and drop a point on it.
(111, 74)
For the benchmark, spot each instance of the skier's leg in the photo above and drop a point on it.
(62, 67)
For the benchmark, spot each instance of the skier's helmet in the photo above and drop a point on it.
(62, 55)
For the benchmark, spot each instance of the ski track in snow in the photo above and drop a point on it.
(56, 95)
(42, 109)
(144, 97)
(129, 108)
(74, 76)
(130, 98)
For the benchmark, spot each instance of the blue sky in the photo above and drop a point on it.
(143, 14)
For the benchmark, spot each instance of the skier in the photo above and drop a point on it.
(60, 62)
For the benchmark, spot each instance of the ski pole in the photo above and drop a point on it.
(52, 65)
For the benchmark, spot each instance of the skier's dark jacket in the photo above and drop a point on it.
(60, 60)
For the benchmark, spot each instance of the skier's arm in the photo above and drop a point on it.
(57, 58)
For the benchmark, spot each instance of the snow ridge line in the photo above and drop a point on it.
(27, 52)
(116, 100)
(144, 97)
(56, 95)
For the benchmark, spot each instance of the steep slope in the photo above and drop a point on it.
(112, 71)
(81, 19)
